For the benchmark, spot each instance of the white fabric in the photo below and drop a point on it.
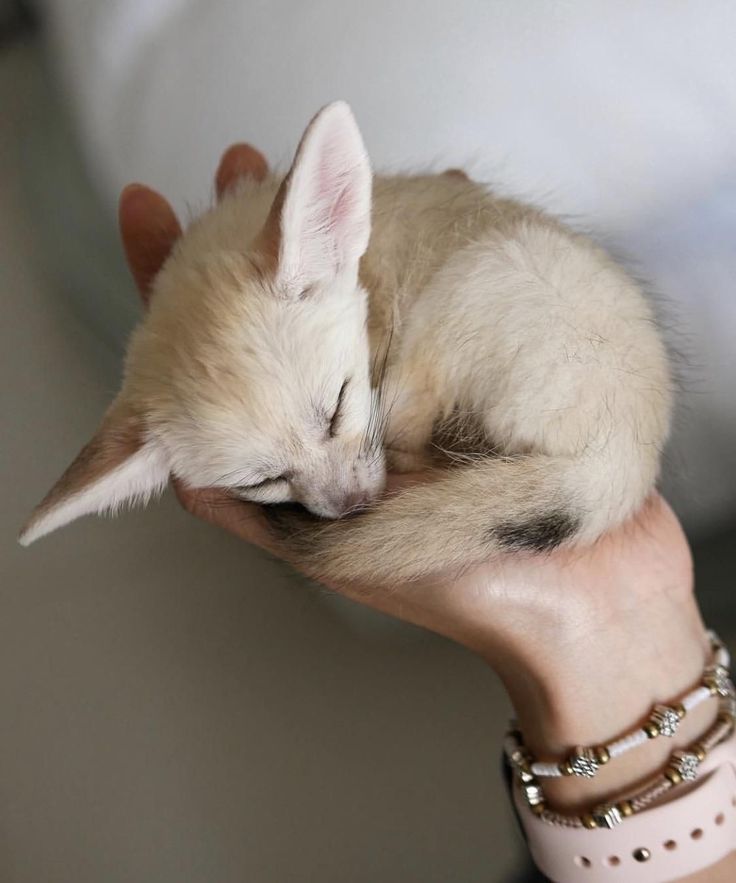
(620, 114)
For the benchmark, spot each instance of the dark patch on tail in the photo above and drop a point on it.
(539, 534)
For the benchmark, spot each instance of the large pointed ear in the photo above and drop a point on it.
(119, 465)
(320, 221)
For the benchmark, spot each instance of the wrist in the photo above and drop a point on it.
(596, 703)
(587, 671)
(598, 686)
(592, 686)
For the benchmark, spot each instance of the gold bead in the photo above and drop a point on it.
(588, 821)
(718, 681)
(699, 752)
(625, 808)
(681, 710)
(517, 756)
(538, 809)
(673, 776)
(522, 756)
(602, 755)
(521, 760)
(565, 768)
(652, 730)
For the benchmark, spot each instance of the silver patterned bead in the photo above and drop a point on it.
(718, 679)
(686, 763)
(666, 720)
(607, 816)
(583, 763)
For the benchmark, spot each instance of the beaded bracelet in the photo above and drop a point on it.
(663, 721)
(682, 767)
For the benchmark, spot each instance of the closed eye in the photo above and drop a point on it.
(266, 482)
(335, 419)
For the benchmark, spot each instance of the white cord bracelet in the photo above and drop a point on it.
(663, 721)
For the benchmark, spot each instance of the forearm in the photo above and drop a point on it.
(611, 686)
(616, 653)
(599, 687)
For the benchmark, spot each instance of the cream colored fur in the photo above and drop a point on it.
(498, 318)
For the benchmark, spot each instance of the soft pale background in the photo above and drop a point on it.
(177, 708)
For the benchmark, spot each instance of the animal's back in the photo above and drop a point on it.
(251, 368)
(501, 312)
(419, 222)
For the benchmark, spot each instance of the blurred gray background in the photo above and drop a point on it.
(177, 707)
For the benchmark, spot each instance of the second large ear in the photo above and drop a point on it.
(119, 465)
(320, 222)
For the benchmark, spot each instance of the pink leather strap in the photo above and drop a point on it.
(690, 832)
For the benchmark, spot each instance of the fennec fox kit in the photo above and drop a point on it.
(313, 330)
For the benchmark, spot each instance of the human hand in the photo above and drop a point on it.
(585, 639)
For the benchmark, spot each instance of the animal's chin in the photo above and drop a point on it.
(292, 522)
(282, 512)
(289, 520)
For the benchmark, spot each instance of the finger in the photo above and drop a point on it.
(220, 508)
(148, 228)
(239, 161)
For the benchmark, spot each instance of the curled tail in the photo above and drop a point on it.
(467, 515)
